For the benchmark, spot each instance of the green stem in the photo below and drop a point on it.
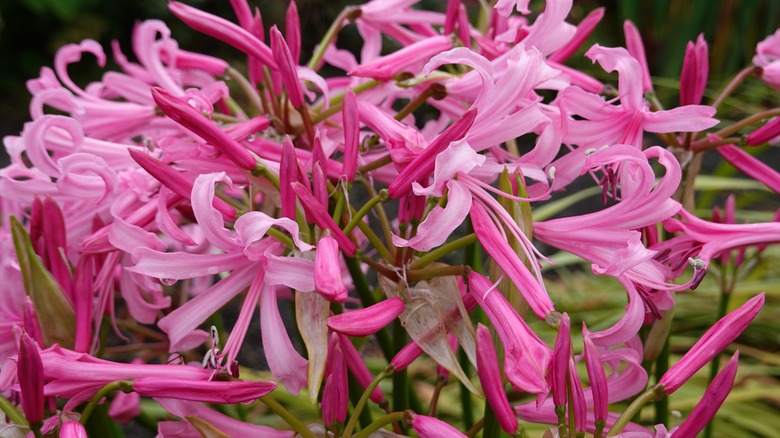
(376, 164)
(264, 172)
(473, 430)
(490, 426)
(355, 392)
(466, 404)
(400, 378)
(335, 101)
(330, 36)
(278, 235)
(379, 423)
(375, 241)
(12, 413)
(648, 396)
(358, 217)
(294, 422)
(123, 385)
(443, 250)
(362, 402)
(379, 209)
(247, 88)
(439, 271)
(36, 429)
(661, 367)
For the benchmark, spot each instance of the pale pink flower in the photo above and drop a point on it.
(607, 124)
(768, 58)
(234, 391)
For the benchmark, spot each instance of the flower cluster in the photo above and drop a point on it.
(146, 202)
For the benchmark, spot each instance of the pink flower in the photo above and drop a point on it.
(695, 71)
(368, 320)
(386, 67)
(72, 429)
(768, 58)
(718, 337)
(561, 355)
(607, 124)
(335, 393)
(287, 68)
(527, 357)
(234, 391)
(598, 379)
(767, 133)
(223, 30)
(636, 48)
(711, 401)
(499, 249)
(492, 384)
(30, 374)
(430, 427)
(750, 166)
(327, 273)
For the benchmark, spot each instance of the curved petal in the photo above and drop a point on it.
(208, 217)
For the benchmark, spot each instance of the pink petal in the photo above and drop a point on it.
(368, 320)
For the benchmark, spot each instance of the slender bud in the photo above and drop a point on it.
(492, 384)
(718, 337)
(713, 398)
(560, 361)
(287, 68)
(30, 374)
(765, 133)
(335, 393)
(182, 113)
(636, 48)
(368, 320)
(320, 216)
(351, 122)
(327, 274)
(430, 427)
(292, 31)
(234, 391)
(72, 429)
(597, 378)
(695, 70)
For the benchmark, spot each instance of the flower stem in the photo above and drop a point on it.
(11, 412)
(652, 393)
(733, 84)
(358, 217)
(335, 101)
(122, 385)
(379, 423)
(442, 251)
(349, 13)
(735, 127)
(376, 164)
(362, 402)
(475, 428)
(294, 422)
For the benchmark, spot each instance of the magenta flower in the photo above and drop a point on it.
(287, 68)
(223, 30)
(327, 273)
(368, 320)
(72, 429)
(718, 337)
(527, 357)
(499, 249)
(767, 133)
(598, 379)
(335, 393)
(492, 384)
(30, 374)
(386, 67)
(561, 356)
(430, 427)
(711, 401)
(181, 112)
(234, 391)
(695, 71)
(750, 166)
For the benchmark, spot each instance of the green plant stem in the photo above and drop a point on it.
(12, 413)
(490, 426)
(736, 126)
(648, 396)
(709, 145)
(466, 403)
(336, 101)
(439, 271)
(330, 36)
(723, 304)
(443, 250)
(376, 164)
(355, 391)
(379, 209)
(123, 385)
(733, 84)
(661, 367)
(294, 422)
(375, 241)
(278, 235)
(363, 401)
(400, 378)
(379, 423)
(367, 299)
(358, 217)
(247, 88)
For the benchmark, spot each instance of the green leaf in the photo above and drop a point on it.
(55, 315)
